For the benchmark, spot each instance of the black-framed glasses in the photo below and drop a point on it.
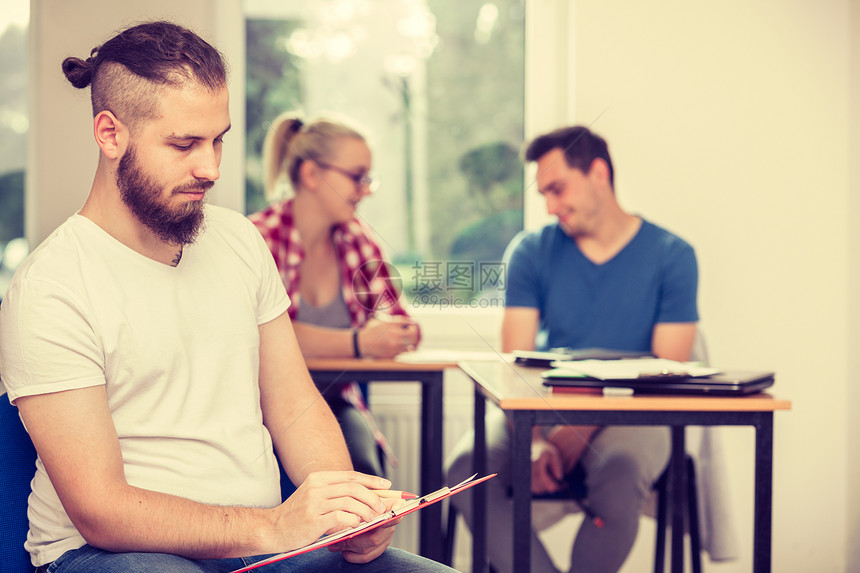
(360, 179)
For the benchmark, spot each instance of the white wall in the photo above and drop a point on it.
(853, 394)
(62, 154)
(728, 123)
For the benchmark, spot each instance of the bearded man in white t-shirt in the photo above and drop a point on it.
(148, 349)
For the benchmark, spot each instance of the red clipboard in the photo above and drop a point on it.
(405, 509)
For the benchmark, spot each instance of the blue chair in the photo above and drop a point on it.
(287, 486)
(19, 464)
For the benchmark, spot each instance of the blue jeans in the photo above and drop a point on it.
(88, 559)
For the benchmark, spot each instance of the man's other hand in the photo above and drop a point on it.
(368, 546)
(547, 467)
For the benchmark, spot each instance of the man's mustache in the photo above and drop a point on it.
(194, 186)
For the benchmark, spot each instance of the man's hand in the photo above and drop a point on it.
(547, 467)
(328, 502)
(368, 546)
(389, 337)
(571, 442)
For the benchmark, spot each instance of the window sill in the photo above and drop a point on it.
(468, 329)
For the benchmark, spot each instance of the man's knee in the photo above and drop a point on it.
(647, 448)
(620, 487)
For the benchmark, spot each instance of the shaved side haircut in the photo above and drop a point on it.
(126, 72)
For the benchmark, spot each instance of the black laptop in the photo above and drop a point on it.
(727, 383)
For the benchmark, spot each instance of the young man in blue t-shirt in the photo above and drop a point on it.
(598, 278)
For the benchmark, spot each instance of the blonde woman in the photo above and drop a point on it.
(343, 300)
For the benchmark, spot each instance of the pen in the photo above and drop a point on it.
(595, 519)
(583, 505)
(404, 321)
(384, 317)
(394, 493)
(617, 391)
(401, 319)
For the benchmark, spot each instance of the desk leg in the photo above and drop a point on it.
(479, 494)
(430, 542)
(521, 477)
(678, 475)
(763, 494)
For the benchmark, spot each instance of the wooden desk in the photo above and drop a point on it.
(431, 377)
(520, 393)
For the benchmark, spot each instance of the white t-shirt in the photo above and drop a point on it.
(176, 347)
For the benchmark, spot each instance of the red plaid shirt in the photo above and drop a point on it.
(365, 278)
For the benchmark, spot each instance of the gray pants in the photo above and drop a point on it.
(621, 464)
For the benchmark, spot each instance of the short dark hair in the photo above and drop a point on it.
(580, 145)
(126, 72)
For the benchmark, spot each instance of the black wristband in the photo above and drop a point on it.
(355, 351)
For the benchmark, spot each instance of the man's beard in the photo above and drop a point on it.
(143, 196)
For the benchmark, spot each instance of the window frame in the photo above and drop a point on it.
(549, 103)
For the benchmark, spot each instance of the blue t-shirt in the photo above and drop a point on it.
(613, 305)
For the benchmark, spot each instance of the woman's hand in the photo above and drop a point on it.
(389, 337)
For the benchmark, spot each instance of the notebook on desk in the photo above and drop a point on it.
(723, 383)
(545, 358)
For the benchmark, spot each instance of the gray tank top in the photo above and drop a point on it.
(333, 315)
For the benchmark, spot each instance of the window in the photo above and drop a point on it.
(439, 87)
(13, 136)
